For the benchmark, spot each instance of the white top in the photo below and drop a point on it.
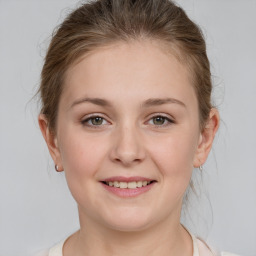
(200, 248)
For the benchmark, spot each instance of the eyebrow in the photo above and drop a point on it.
(159, 101)
(96, 101)
(148, 103)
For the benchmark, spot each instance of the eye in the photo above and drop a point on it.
(160, 120)
(94, 121)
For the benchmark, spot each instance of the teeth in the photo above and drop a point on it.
(116, 184)
(123, 184)
(139, 184)
(131, 185)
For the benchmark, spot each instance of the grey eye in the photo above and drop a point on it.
(159, 120)
(97, 120)
(94, 121)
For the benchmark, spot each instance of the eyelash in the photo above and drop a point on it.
(86, 121)
(167, 121)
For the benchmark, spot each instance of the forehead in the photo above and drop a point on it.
(148, 66)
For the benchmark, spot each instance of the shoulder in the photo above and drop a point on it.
(54, 251)
(205, 250)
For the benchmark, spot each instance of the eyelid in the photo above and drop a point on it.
(85, 119)
(165, 116)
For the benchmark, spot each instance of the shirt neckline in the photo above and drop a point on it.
(57, 250)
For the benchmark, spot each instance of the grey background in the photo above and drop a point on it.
(36, 208)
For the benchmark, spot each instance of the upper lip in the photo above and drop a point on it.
(127, 179)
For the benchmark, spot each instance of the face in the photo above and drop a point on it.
(128, 116)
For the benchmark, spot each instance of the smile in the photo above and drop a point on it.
(128, 185)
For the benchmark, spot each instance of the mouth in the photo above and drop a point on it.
(128, 185)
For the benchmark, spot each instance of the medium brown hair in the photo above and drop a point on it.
(102, 22)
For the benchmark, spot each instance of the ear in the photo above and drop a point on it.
(51, 141)
(206, 138)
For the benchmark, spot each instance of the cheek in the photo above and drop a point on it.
(174, 154)
(81, 156)
(174, 160)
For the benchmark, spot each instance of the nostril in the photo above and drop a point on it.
(127, 159)
(127, 148)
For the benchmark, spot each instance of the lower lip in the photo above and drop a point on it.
(128, 192)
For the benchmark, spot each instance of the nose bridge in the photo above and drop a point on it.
(128, 147)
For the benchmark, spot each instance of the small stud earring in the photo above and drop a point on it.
(200, 168)
(57, 168)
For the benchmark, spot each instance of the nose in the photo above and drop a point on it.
(127, 148)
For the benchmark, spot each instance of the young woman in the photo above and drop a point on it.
(127, 114)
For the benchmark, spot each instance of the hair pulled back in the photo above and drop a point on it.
(102, 22)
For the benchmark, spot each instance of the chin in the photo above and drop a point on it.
(129, 221)
(129, 226)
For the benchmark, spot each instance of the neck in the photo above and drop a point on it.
(161, 239)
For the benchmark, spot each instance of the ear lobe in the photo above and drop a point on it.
(206, 138)
(50, 139)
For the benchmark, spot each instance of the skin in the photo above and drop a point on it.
(129, 141)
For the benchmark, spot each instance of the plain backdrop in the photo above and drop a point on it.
(36, 208)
